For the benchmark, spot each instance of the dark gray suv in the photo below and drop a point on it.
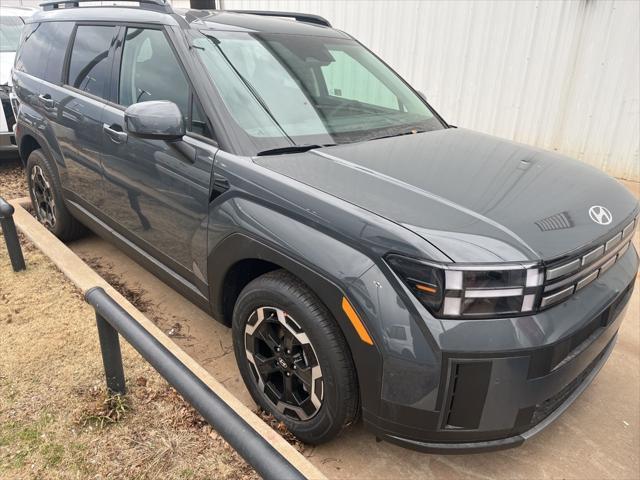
(455, 290)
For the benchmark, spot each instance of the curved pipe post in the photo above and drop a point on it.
(250, 445)
(11, 235)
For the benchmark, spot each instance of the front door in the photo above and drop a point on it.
(157, 191)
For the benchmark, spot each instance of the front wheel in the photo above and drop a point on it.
(293, 357)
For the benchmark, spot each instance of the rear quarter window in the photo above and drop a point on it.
(43, 50)
(31, 58)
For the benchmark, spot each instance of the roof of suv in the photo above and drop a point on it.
(185, 18)
(16, 11)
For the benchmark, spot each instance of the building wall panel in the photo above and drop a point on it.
(563, 76)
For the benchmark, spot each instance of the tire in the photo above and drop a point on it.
(46, 198)
(336, 387)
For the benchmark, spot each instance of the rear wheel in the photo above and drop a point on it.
(294, 358)
(46, 198)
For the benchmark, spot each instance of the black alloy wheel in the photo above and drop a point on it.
(284, 363)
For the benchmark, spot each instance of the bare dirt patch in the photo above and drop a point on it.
(57, 420)
(137, 295)
(134, 293)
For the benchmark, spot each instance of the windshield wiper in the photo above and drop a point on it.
(411, 131)
(292, 149)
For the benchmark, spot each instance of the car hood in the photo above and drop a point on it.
(6, 64)
(475, 197)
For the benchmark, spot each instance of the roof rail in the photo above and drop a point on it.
(300, 17)
(160, 5)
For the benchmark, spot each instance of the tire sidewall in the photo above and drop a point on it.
(37, 157)
(332, 402)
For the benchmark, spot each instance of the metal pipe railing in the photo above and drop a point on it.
(11, 235)
(113, 320)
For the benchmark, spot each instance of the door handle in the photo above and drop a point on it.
(115, 133)
(46, 100)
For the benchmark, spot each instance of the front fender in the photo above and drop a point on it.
(395, 370)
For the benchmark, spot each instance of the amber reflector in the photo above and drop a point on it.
(356, 322)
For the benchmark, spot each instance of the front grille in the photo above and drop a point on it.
(547, 359)
(546, 408)
(566, 277)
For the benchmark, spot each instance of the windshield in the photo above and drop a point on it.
(10, 28)
(284, 90)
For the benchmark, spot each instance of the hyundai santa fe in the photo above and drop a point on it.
(454, 290)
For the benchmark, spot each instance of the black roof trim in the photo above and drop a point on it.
(160, 5)
(300, 17)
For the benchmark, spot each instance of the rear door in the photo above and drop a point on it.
(75, 111)
(158, 191)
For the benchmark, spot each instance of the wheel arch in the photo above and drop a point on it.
(239, 259)
(28, 143)
(30, 140)
(239, 247)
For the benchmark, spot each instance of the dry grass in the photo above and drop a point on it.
(57, 420)
(13, 183)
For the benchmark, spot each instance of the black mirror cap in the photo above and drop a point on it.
(155, 119)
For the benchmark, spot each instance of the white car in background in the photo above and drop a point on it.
(11, 23)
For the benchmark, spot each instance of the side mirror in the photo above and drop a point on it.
(157, 119)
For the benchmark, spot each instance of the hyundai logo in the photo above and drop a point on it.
(600, 215)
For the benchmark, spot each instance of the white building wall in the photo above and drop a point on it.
(561, 75)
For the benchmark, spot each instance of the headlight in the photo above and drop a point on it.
(471, 291)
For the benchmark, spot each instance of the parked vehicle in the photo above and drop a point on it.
(11, 23)
(456, 290)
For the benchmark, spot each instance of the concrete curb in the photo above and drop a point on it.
(83, 277)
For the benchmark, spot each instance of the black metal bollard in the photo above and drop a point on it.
(255, 449)
(11, 236)
(111, 356)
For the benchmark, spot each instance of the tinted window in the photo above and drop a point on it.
(90, 65)
(31, 57)
(150, 71)
(43, 50)
(57, 36)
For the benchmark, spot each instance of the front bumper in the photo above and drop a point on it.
(497, 397)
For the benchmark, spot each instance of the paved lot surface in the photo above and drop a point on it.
(598, 437)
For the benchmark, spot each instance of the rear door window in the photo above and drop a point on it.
(90, 63)
(57, 36)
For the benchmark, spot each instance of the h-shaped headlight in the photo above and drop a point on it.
(471, 291)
